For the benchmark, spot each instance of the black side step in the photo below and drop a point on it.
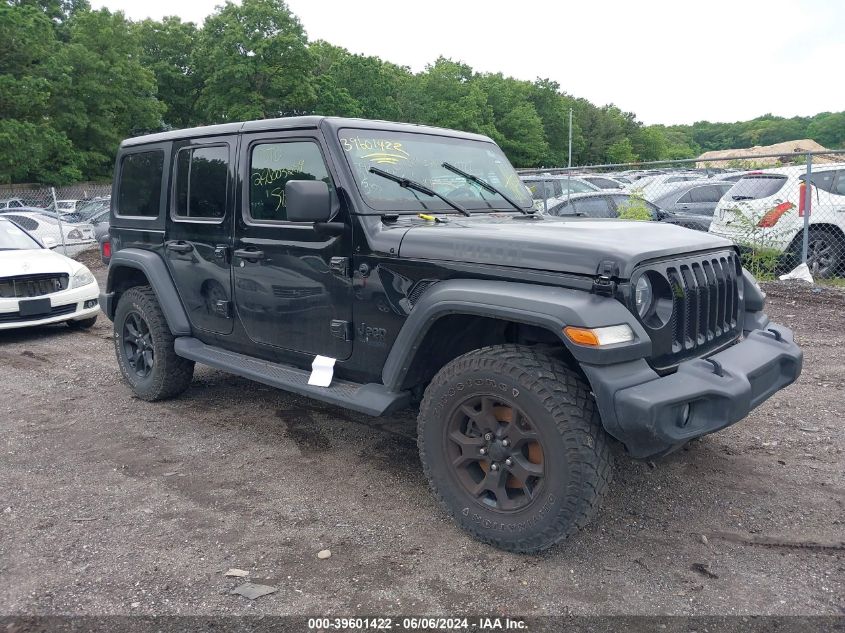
(371, 398)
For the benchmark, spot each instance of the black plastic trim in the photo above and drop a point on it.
(371, 398)
(162, 284)
(552, 308)
(646, 412)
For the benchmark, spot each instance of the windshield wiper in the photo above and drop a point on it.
(738, 198)
(485, 185)
(415, 186)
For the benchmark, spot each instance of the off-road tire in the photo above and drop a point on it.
(576, 449)
(82, 324)
(170, 374)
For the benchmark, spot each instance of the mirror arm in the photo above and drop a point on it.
(330, 228)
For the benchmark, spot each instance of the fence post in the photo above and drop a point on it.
(59, 219)
(808, 199)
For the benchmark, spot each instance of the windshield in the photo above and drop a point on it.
(14, 239)
(420, 157)
(90, 209)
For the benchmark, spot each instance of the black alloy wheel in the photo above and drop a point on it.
(138, 345)
(495, 453)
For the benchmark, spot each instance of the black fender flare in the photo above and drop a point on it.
(155, 269)
(549, 307)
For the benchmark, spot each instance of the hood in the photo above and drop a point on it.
(35, 262)
(573, 245)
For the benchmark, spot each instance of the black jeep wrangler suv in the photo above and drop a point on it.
(411, 258)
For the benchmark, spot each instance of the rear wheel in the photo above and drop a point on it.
(513, 448)
(825, 253)
(144, 347)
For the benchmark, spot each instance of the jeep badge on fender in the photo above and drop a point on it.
(411, 261)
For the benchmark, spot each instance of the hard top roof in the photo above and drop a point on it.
(330, 124)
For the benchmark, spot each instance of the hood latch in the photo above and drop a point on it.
(603, 284)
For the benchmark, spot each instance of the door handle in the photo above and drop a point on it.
(179, 247)
(251, 255)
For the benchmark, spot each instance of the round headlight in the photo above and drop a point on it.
(643, 296)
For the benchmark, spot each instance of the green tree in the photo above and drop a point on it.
(102, 93)
(828, 128)
(31, 150)
(621, 151)
(446, 95)
(255, 63)
(167, 49)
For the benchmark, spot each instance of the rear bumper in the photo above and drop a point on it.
(653, 415)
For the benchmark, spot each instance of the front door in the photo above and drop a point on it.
(199, 230)
(292, 284)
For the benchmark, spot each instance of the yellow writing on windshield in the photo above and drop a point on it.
(381, 151)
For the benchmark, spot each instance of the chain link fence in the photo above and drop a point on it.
(781, 210)
(66, 219)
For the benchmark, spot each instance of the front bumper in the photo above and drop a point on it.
(653, 415)
(67, 305)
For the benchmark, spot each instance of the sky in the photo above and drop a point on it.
(668, 62)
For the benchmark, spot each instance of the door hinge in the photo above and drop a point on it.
(340, 266)
(341, 330)
(222, 308)
(221, 254)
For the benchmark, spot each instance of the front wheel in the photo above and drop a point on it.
(144, 347)
(512, 446)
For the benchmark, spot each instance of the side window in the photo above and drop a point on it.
(824, 180)
(272, 165)
(15, 204)
(597, 207)
(564, 208)
(839, 186)
(25, 223)
(556, 188)
(686, 198)
(139, 189)
(202, 175)
(709, 193)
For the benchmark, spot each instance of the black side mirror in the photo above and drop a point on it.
(308, 201)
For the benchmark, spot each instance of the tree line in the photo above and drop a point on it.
(74, 82)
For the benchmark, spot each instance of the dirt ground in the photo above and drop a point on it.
(111, 505)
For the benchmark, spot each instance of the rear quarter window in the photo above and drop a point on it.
(139, 188)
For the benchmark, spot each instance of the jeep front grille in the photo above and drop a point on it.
(707, 299)
(25, 286)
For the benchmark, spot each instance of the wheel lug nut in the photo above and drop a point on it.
(483, 451)
(494, 466)
(508, 462)
(506, 443)
(488, 436)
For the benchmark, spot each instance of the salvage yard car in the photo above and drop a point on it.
(38, 286)
(767, 207)
(66, 236)
(404, 265)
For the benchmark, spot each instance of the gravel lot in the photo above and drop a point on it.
(111, 505)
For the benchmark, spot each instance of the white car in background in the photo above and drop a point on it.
(45, 226)
(38, 286)
(765, 210)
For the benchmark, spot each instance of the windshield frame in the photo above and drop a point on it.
(487, 202)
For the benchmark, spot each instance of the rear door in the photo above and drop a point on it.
(199, 229)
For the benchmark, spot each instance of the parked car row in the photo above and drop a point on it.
(761, 208)
(70, 229)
